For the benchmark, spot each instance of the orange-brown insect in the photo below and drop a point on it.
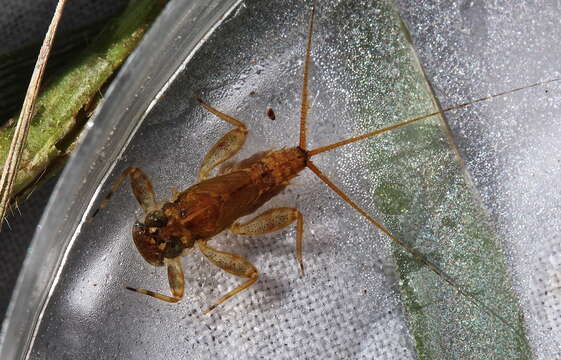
(193, 217)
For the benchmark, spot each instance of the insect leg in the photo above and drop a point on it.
(272, 220)
(175, 277)
(176, 283)
(224, 148)
(141, 187)
(233, 264)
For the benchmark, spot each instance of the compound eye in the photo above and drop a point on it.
(155, 219)
(147, 245)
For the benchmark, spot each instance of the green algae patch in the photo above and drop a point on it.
(392, 198)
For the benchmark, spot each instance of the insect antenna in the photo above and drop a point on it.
(407, 122)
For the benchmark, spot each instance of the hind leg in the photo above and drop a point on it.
(226, 147)
(272, 220)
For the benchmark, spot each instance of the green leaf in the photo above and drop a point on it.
(61, 108)
(426, 201)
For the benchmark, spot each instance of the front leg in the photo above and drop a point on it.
(231, 263)
(141, 187)
(176, 280)
(226, 147)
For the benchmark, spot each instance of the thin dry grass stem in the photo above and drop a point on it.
(11, 165)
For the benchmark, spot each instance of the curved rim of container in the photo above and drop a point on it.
(123, 109)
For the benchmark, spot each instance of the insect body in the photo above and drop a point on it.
(212, 206)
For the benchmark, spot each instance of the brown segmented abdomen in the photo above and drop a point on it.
(278, 167)
(214, 204)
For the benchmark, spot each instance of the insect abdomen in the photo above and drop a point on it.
(278, 167)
